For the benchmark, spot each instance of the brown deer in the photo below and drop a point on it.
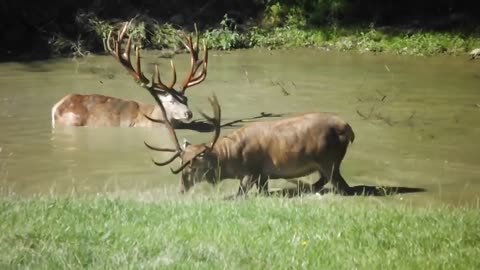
(98, 110)
(288, 148)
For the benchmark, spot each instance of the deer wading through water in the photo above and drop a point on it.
(288, 148)
(98, 110)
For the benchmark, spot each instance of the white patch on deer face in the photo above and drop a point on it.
(176, 107)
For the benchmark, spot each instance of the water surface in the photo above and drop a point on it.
(416, 120)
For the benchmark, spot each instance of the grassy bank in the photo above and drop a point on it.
(419, 27)
(227, 36)
(363, 40)
(368, 39)
(258, 233)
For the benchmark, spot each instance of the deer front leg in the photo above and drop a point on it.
(262, 184)
(245, 185)
(317, 186)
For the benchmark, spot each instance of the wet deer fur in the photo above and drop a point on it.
(97, 110)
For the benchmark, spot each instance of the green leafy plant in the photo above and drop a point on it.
(92, 23)
(164, 37)
(226, 37)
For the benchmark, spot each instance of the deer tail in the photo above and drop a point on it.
(350, 134)
(345, 133)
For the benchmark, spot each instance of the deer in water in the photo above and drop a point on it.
(288, 148)
(98, 110)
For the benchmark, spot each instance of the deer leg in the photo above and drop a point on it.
(245, 185)
(262, 184)
(339, 184)
(317, 186)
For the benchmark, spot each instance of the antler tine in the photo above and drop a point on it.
(107, 42)
(174, 79)
(159, 148)
(187, 43)
(124, 58)
(143, 79)
(125, 61)
(159, 84)
(193, 60)
(203, 74)
(197, 37)
(123, 30)
(167, 161)
(120, 35)
(217, 112)
(154, 120)
(181, 167)
(192, 78)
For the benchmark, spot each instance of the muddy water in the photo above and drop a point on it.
(417, 120)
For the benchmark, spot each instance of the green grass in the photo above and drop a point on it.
(364, 40)
(258, 233)
(149, 33)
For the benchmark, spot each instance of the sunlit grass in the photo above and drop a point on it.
(329, 232)
(293, 34)
(365, 40)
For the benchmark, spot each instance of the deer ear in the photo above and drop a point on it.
(185, 144)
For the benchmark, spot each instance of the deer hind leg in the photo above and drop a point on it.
(338, 182)
(332, 170)
(331, 173)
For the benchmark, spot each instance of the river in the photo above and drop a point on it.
(416, 120)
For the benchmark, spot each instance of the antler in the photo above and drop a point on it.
(193, 78)
(215, 121)
(173, 135)
(137, 74)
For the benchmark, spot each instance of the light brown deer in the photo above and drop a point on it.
(98, 110)
(288, 148)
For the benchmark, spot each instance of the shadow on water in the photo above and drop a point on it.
(202, 126)
(360, 190)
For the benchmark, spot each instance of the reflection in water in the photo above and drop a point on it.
(416, 121)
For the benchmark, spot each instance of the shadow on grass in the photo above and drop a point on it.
(202, 126)
(360, 190)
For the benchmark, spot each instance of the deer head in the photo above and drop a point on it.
(198, 161)
(174, 101)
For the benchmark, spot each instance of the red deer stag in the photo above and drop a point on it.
(98, 110)
(287, 148)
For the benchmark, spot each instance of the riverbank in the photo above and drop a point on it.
(364, 40)
(43, 30)
(312, 232)
(228, 35)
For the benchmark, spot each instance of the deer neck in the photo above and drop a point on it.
(152, 111)
(227, 155)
